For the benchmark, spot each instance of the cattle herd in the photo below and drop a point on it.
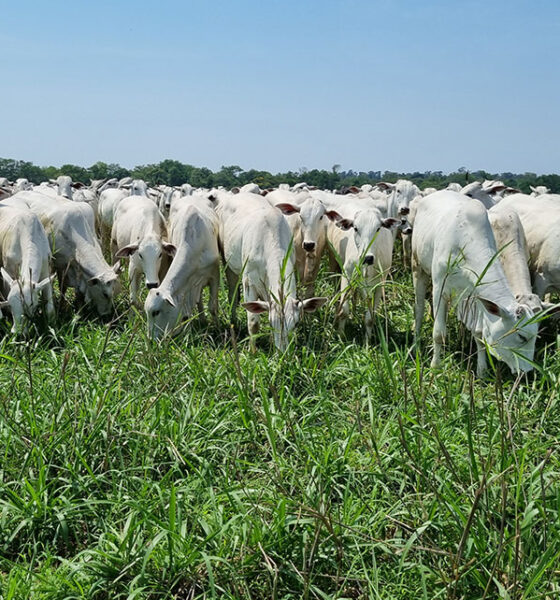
(490, 251)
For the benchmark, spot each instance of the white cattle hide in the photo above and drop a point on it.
(137, 234)
(453, 245)
(257, 247)
(196, 264)
(24, 257)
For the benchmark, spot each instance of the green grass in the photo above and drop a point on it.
(339, 469)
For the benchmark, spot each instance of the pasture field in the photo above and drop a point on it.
(196, 469)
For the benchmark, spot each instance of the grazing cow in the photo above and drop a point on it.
(24, 256)
(193, 231)
(514, 255)
(138, 232)
(362, 241)
(453, 245)
(257, 247)
(78, 259)
(541, 221)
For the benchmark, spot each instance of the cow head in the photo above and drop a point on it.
(312, 215)
(23, 298)
(162, 313)
(364, 228)
(284, 316)
(101, 290)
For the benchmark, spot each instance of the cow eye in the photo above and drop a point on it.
(155, 313)
(523, 338)
(140, 255)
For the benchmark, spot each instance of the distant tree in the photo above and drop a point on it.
(77, 173)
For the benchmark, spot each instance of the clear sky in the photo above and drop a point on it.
(399, 85)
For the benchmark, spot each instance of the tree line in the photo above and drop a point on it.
(173, 172)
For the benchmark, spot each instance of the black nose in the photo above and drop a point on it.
(407, 231)
(151, 286)
(405, 210)
(368, 260)
(309, 246)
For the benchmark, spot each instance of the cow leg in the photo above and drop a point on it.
(344, 305)
(134, 277)
(47, 297)
(213, 299)
(309, 275)
(420, 281)
(253, 320)
(440, 327)
(201, 313)
(481, 359)
(540, 284)
(233, 292)
(407, 250)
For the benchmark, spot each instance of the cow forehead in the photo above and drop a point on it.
(367, 220)
(311, 209)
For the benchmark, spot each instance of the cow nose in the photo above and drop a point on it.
(407, 231)
(404, 210)
(309, 246)
(151, 286)
(368, 260)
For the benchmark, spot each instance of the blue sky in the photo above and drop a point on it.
(371, 85)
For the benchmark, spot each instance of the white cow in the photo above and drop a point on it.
(539, 190)
(78, 259)
(514, 255)
(257, 247)
(193, 230)
(138, 232)
(307, 217)
(486, 192)
(453, 245)
(541, 222)
(362, 241)
(401, 194)
(24, 256)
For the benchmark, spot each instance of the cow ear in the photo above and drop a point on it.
(312, 304)
(333, 215)
(345, 224)
(117, 268)
(170, 249)
(287, 208)
(168, 298)
(256, 307)
(126, 251)
(490, 306)
(551, 309)
(389, 223)
(6, 276)
(45, 282)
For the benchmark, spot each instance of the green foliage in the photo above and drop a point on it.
(196, 469)
(173, 172)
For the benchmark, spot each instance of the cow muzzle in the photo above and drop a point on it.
(151, 286)
(368, 259)
(404, 210)
(309, 246)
